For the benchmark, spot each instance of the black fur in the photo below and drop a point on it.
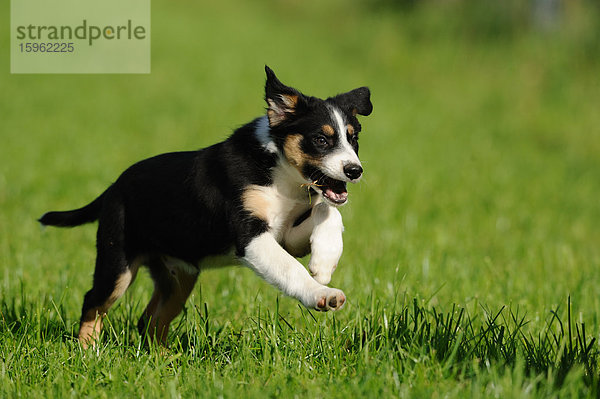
(188, 205)
(184, 204)
(357, 101)
(76, 217)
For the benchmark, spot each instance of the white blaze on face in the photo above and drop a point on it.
(333, 164)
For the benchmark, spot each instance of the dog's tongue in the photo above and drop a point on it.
(334, 190)
(337, 197)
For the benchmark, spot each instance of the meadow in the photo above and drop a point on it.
(472, 244)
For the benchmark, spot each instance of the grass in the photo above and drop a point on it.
(264, 353)
(471, 259)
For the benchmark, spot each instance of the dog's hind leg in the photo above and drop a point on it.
(173, 284)
(113, 274)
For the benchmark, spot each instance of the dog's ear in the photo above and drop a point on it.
(357, 101)
(282, 100)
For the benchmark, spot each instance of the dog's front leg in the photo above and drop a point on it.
(325, 242)
(267, 258)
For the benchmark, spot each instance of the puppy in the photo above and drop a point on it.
(267, 194)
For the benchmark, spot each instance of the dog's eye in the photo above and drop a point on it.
(320, 141)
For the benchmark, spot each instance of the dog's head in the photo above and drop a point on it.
(318, 137)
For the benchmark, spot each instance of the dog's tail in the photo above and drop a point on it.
(76, 217)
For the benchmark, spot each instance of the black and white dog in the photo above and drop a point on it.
(267, 194)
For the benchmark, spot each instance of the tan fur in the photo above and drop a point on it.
(162, 309)
(121, 286)
(289, 100)
(294, 154)
(277, 113)
(153, 304)
(91, 324)
(275, 118)
(350, 129)
(256, 202)
(281, 203)
(328, 130)
(292, 151)
(89, 330)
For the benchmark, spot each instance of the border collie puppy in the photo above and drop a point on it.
(268, 194)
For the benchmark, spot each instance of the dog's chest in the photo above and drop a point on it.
(278, 205)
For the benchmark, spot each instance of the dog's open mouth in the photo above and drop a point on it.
(333, 190)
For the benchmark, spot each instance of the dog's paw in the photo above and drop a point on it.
(321, 277)
(322, 274)
(329, 299)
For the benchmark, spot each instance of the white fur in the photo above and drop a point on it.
(333, 164)
(286, 199)
(321, 234)
(296, 239)
(278, 111)
(288, 102)
(262, 134)
(325, 242)
(269, 260)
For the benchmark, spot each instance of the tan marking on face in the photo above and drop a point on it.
(294, 154)
(350, 129)
(328, 130)
(292, 151)
(256, 202)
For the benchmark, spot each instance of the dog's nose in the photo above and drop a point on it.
(353, 171)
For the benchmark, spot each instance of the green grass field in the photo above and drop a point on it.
(477, 219)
